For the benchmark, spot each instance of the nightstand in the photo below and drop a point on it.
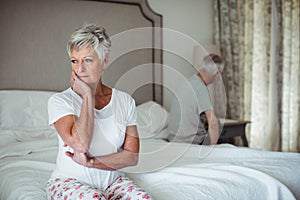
(234, 128)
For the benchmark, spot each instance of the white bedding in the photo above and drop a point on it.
(224, 172)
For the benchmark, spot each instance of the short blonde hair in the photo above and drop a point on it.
(90, 35)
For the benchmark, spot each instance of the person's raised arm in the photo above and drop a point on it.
(213, 126)
(78, 132)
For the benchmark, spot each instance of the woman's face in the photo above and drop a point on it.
(87, 65)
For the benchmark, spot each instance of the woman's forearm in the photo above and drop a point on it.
(83, 127)
(114, 161)
(128, 156)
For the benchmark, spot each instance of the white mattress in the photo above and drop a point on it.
(166, 170)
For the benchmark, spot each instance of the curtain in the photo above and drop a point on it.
(260, 43)
(291, 76)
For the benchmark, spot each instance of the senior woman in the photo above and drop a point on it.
(96, 126)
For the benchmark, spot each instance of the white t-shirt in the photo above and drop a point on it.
(109, 132)
(192, 98)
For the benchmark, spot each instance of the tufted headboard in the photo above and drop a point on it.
(34, 34)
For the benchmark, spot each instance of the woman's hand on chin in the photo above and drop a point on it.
(79, 86)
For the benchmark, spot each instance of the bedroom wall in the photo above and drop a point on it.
(194, 20)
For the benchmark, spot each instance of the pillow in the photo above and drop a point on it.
(152, 118)
(24, 109)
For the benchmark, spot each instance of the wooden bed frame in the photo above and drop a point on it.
(34, 34)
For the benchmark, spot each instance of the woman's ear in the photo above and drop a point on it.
(105, 60)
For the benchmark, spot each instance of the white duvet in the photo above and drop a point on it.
(223, 172)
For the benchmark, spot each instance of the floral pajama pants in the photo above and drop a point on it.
(71, 189)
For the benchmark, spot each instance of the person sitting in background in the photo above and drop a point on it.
(96, 126)
(192, 108)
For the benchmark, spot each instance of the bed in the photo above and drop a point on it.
(28, 151)
(28, 146)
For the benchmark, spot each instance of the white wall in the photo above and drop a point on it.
(190, 21)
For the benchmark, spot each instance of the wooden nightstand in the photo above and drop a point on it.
(234, 128)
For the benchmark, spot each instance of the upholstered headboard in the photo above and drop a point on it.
(34, 34)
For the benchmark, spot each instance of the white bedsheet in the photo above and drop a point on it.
(25, 168)
(226, 172)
